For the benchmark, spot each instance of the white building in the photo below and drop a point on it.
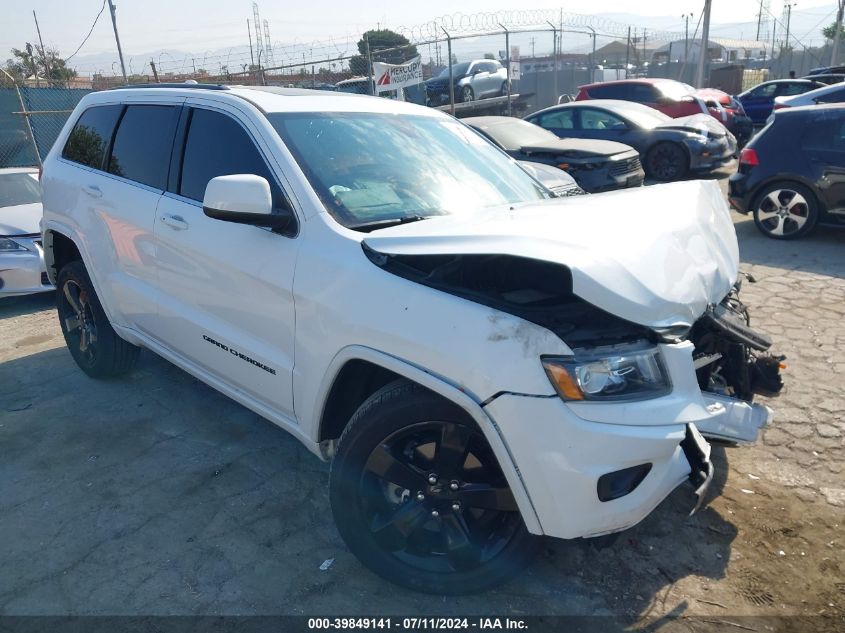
(718, 49)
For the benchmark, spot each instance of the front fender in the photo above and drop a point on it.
(449, 391)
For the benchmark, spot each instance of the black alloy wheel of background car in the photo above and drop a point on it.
(666, 161)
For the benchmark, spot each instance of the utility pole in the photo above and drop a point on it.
(155, 72)
(43, 54)
(627, 52)
(837, 35)
(686, 17)
(703, 53)
(117, 39)
(532, 41)
(759, 19)
(788, 6)
(249, 33)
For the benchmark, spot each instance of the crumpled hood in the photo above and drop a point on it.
(700, 123)
(577, 147)
(656, 256)
(22, 219)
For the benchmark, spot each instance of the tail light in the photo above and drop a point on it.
(748, 156)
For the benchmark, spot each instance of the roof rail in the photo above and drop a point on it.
(192, 86)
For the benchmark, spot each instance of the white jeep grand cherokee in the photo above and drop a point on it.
(482, 362)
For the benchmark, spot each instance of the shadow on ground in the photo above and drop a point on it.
(154, 494)
(17, 306)
(819, 252)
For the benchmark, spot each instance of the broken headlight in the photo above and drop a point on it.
(630, 372)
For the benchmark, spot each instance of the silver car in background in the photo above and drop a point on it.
(478, 79)
(21, 254)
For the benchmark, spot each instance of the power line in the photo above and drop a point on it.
(102, 8)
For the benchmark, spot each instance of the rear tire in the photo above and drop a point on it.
(666, 162)
(785, 211)
(461, 534)
(92, 341)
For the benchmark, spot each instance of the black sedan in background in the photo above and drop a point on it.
(595, 166)
(791, 175)
(670, 147)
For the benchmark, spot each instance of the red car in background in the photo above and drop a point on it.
(676, 100)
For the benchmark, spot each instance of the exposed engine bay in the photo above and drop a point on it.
(730, 357)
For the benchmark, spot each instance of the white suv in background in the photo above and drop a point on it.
(482, 362)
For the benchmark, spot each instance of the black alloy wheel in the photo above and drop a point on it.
(419, 497)
(666, 162)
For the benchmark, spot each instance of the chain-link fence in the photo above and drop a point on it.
(31, 118)
(492, 63)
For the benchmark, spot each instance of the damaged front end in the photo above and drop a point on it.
(730, 358)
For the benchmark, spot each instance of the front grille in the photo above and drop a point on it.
(572, 190)
(621, 167)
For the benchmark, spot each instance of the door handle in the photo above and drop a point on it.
(175, 222)
(93, 191)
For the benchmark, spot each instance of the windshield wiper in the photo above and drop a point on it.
(388, 222)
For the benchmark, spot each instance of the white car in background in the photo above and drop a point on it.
(829, 94)
(21, 256)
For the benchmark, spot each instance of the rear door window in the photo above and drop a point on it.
(562, 119)
(643, 93)
(90, 137)
(793, 88)
(611, 91)
(825, 132)
(834, 96)
(141, 149)
(217, 145)
(763, 92)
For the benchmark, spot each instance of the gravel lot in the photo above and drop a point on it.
(153, 494)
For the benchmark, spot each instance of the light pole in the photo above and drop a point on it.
(686, 17)
(837, 34)
(788, 6)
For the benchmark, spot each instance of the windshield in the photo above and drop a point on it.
(457, 70)
(370, 168)
(19, 188)
(514, 134)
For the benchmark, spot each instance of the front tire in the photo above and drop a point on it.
(92, 341)
(466, 94)
(666, 162)
(785, 211)
(419, 498)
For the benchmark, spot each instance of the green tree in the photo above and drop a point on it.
(29, 62)
(381, 39)
(830, 30)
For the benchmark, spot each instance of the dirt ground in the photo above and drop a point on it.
(153, 494)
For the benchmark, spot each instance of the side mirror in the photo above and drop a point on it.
(244, 199)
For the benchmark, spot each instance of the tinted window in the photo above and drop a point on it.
(642, 93)
(611, 91)
(825, 132)
(141, 149)
(600, 120)
(90, 137)
(18, 188)
(562, 119)
(789, 89)
(834, 96)
(764, 91)
(217, 145)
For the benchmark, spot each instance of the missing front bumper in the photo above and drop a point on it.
(697, 451)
